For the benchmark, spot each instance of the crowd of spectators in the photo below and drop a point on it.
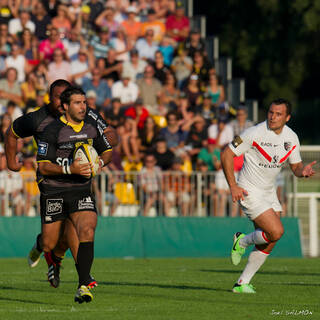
(143, 69)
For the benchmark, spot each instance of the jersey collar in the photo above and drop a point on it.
(75, 127)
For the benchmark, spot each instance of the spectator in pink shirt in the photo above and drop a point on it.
(178, 25)
(47, 46)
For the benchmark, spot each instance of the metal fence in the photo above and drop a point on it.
(144, 193)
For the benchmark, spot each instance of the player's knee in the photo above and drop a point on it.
(86, 234)
(276, 234)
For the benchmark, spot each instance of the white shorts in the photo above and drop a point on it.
(257, 202)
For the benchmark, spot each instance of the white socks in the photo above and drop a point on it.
(255, 261)
(256, 237)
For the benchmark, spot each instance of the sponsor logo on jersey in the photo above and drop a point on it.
(266, 144)
(79, 136)
(42, 148)
(86, 203)
(236, 141)
(275, 159)
(68, 145)
(270, 166)
(101, 123)
(287, 145)
(54, 206)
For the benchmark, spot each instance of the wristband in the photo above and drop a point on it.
(101, 163)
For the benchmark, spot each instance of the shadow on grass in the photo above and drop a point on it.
(161, 286)
(289, 273)
(23, 300)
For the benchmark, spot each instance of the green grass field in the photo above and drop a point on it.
(166, 289)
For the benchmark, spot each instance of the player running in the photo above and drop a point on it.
(65, 184)
(266, 148)
(33, 124)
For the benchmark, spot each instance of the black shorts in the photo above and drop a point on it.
(59, 206)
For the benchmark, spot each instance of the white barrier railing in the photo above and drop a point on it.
(312, 219)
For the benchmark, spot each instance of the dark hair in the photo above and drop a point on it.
(58, 83)
(14, 69)
(286, 102)
(66, 94)
(170, 113)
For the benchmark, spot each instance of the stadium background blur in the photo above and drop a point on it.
(149, 72)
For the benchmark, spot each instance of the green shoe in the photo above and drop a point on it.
(237, 251)
(34, 256)
(243, 288)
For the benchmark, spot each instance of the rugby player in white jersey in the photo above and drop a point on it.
(266, 148)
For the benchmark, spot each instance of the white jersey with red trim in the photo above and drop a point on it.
(265, 153)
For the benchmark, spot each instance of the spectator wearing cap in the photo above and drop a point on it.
(18, 24)
(138, 113)
(100, 44)
(210, 154)
(41, 20)
(62, 20)
(177, 24)
(241, 122)
(192, 90)
(59, 68)
(115, 114)
(91, 99)
(47, 46)
(150, 90)
(126, 90)
(131, 27)
(152, 23)
(221, 131)
(182, 67)
(83, 24)
(99, 86)
(80, 68)
(106, 19)
(135, 66)
(194, 43)
(146, 46)
(201, 67)
(74, 10)
(112, 67)
(40, 98)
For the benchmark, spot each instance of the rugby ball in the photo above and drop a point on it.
(87, 153)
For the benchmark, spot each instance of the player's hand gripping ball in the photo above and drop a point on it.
(87, 154)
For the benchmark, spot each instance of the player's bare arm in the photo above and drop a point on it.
(299, 170)
(50, 169)
(106, 157)
(112, 136)
(11, 150)
(237, 193)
